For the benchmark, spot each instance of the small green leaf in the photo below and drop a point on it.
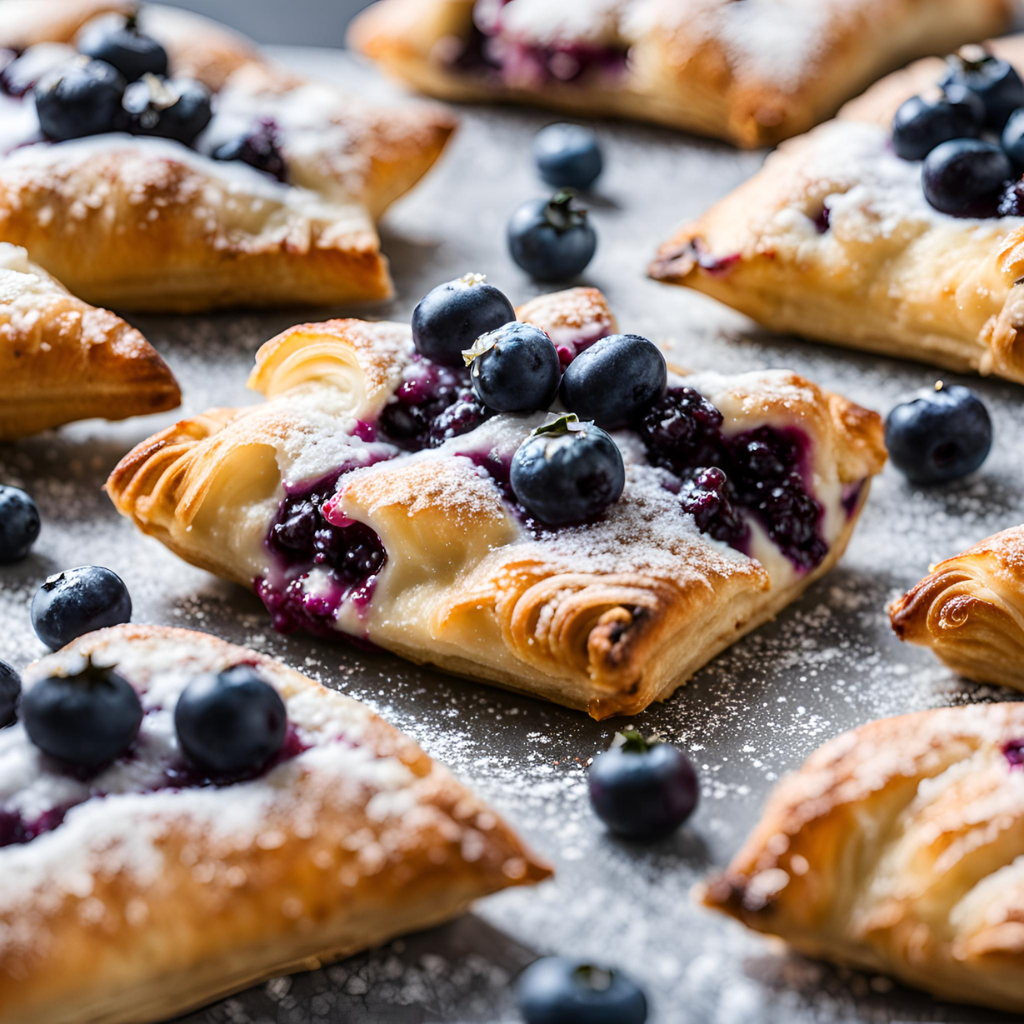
(562, 425)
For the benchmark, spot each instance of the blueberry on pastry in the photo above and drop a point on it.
(897, 848)
(63, 360)
(374, 495)
(970, 611)
(752, 72)
(893, 228)
(152, 160)
(181, 818)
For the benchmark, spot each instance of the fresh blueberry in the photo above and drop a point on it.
(19, 76)
(560, 991)
(449, 318)
(642, 790)
(80, 98)
(1013, 139)
(119, 42)
(19, 524)
(87, 719)
(993, 80)
(567, 156)
(924, 122)
(259, 148)
(966, 177)
(176, 109)
(942, 434)
(567, 472)
(515, 369)
(615, 381)
(10, 692)
(230, 723)
(78, 601)
(552, 239)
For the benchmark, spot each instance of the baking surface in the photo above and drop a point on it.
(828, 663)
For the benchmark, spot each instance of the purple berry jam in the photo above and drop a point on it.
(716, 266)
(823, 220)
(1013, 751)
(16, 830)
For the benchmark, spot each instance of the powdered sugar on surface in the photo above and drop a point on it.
(827, 664)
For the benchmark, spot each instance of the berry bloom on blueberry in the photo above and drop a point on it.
(993, 80)
(555, 990)
(19, 524)
(552, 239)
(78, 601)
(10, 693)
(118, 42)
(567, 156)
(514, 369)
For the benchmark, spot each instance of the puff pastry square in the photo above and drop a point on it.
(970, 611)
(752, 72)
(422, 548)
(833, 239)
(897, 848)
(151, 224)
(63, 360)
(143, 892)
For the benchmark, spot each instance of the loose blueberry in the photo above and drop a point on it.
(567, 156)
(993, 80)
(86, 720)
(230, 723)
(1013, 139)
(119, 42)
(567, 472)
(78, 601)
(10, 692)
(449, 318)
(560, 991)
(966, 177)
(259, 148)
(942, 434)
(552, 240)
(19, 524)
(924, 122)
(80, 98)
(176, 109)
(615, 381)
(642, 790)
(514, 369)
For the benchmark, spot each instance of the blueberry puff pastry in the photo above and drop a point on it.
(370, 496)
(752, 72)
(897, 848)
(273, 202)
(834, 239)
(970, 611)
(63, 360)
(148, 886)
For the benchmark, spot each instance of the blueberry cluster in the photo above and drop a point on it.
(970, 135)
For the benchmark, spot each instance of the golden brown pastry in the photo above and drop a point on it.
(142, 890)
(897, 848)
(63, 360)
(970, 611)
(369, 495)
(834, 239)
(752, 72)
(141, 222)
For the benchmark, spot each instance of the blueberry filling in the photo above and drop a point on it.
(1013, 751)
(306, 535)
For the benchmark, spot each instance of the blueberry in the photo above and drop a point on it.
(922, 123)
(993, 80)
(642, 790)
(942, 434)
(966, 177)
(615, 381)
(19, 76)
(448, 319)
(119, 42)
(230, 723)
(19, 524)
(1013, 139)
(552, 240)
(560, 991)
(514, 369)
(258, 148)
(87, 719)
(176, 109)
(10, 692)
(567, 156)
(78, 601)
(80, 98)
(567, 472)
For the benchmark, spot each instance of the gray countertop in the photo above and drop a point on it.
(828, 663)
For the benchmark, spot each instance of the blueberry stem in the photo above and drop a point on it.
(560, 212)
(631, 742)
